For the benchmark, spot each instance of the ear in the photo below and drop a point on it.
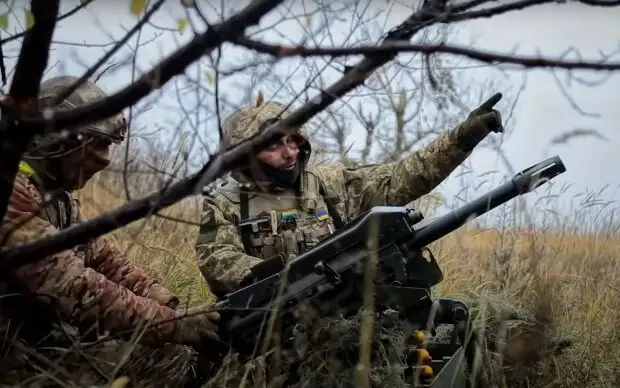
(260, 98)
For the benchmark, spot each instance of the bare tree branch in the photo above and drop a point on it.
(231, 30)
(90, 72)
(33, 58)
(175, 64)
(81, 6)
(220, 163)
(483, 56)
(31, 120)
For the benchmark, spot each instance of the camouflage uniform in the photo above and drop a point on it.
(91, 290)
(295, 220)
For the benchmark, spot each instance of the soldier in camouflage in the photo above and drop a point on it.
(90, 290)
(280, 207)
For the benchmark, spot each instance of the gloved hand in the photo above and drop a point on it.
(196, 325)
(485, 118)
(163, 296)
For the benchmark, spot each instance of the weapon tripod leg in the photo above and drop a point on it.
(474, 347)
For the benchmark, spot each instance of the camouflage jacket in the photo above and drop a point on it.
(90, 284)
(223, 257)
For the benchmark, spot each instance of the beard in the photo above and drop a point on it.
(279, 176)
(263, 172)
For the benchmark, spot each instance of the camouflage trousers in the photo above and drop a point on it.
(98, 365)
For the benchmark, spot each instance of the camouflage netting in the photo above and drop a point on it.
(325, 357)
(328, 355)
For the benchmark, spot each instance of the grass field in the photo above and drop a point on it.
(567, 284)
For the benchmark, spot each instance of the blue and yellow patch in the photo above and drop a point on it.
(289, 214)
(322, 215)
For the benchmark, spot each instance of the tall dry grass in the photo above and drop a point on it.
(566, 285)
(162, 245)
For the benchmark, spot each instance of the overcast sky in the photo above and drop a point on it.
(542, 113)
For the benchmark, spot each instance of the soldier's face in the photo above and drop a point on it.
(282, 154)
(83, 163)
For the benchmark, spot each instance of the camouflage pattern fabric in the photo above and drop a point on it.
(113, 128)
(220, 252)
(246, 122)
(81, 312)
(102, 286)
(92, 286)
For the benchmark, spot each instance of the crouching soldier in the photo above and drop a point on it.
(54, 312)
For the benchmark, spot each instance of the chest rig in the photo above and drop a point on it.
(286, 223)
(60, 210)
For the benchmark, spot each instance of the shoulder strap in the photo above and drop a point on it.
(65, 210)
(58, 211)
(244, 214)
(331, 208)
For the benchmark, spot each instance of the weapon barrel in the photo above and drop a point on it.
(523, 182)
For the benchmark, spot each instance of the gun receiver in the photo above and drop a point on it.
(331, 275)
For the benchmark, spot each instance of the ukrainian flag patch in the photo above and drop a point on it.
(289, 214)
(322, 215)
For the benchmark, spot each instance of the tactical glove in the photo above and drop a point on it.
(485, 118)
(163, 296)
(196, 326)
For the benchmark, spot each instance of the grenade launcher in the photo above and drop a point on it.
(331, 277)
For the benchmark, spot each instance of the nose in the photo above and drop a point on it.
(100, 155)
(290, 150)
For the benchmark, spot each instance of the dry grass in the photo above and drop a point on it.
(566, 283)
(163, 246)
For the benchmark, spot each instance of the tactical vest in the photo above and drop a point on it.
(61, 210)
(286, 223)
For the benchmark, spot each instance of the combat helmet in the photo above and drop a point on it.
(251, 120)
(112, 128)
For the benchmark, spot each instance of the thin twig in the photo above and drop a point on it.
(401, 47)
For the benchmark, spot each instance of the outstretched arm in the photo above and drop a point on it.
(402, 182)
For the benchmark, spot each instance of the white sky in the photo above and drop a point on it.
(542, 113)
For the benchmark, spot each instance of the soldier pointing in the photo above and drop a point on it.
(278, 206)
